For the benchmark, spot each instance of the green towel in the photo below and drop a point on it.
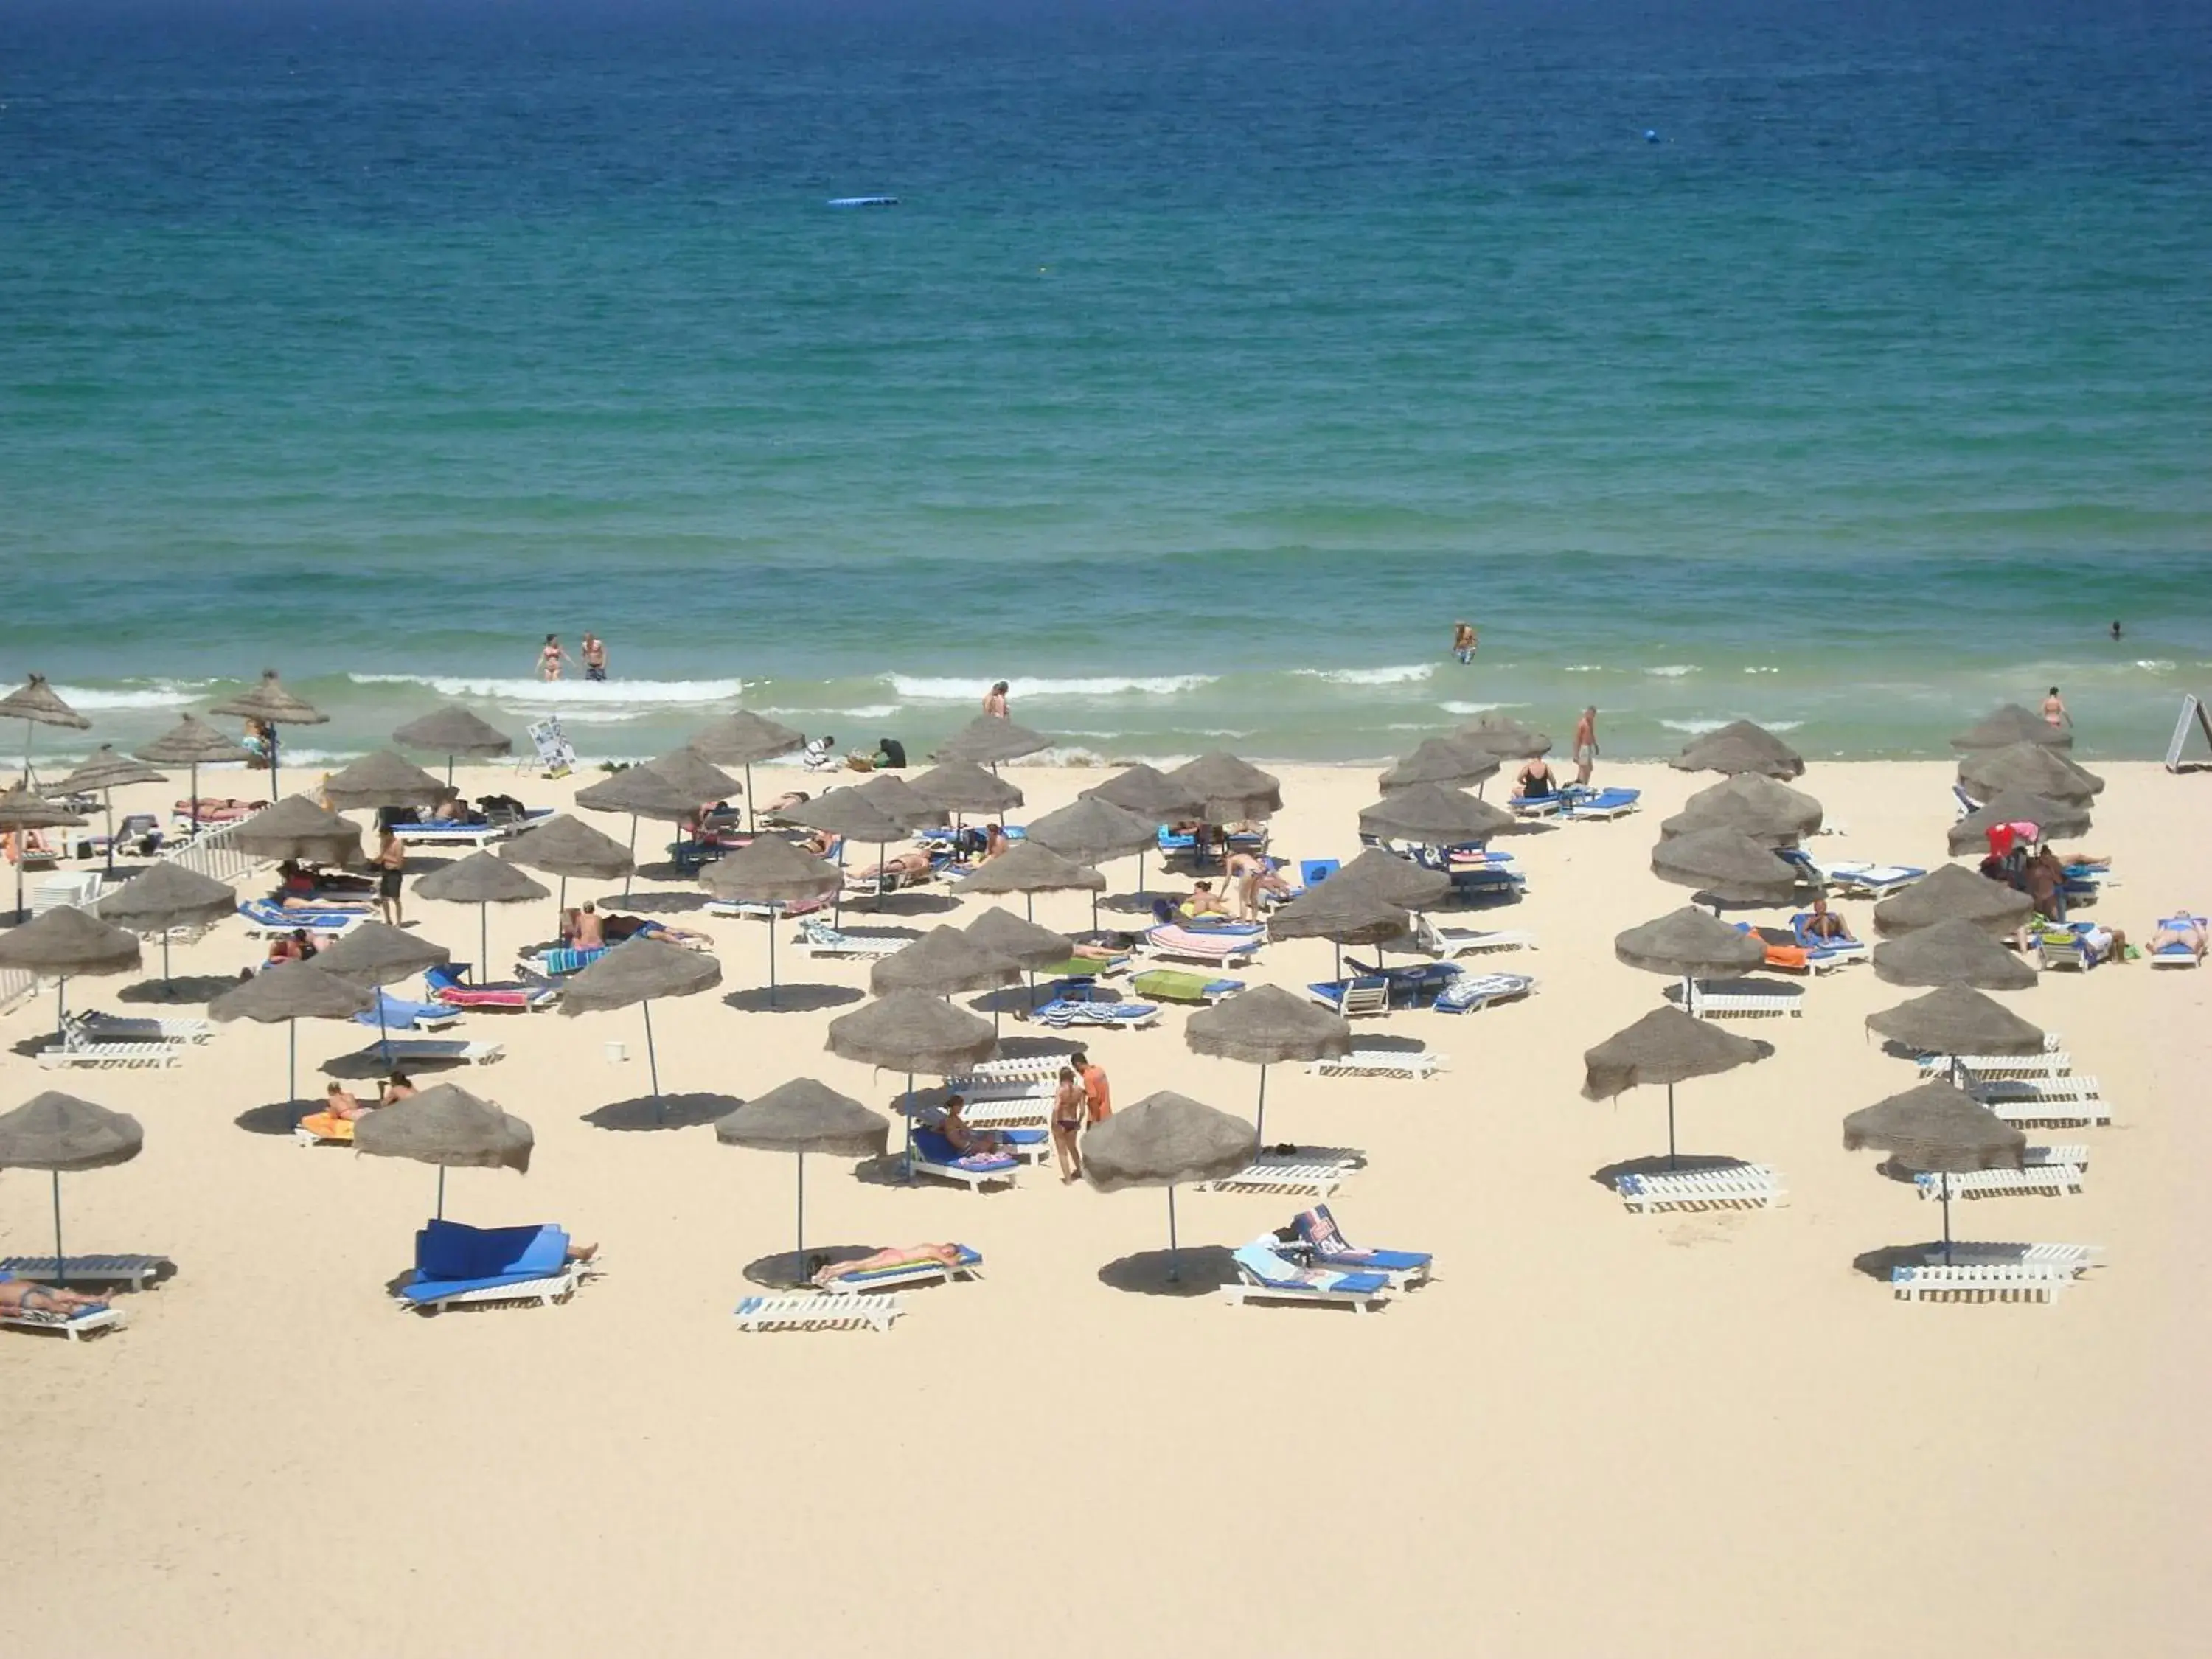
(1169, 985)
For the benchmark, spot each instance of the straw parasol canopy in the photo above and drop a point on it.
(382, 778)
(1267, 1026)
(641, 793)
(1740, 746)
(1164, 1141)
(291, 990)
(895, 798)
(1090, 831)
(805, 1117)
(23, 808)
(1726, 864)
(1951, 953)
(1149, 793)
(566, 846)
(1955, 1019)
(37, 703)
(1952, 892)
(454, 730)
(1433, 815)
(771, 871)
(66, 941)
(697, 776)
(1751, 802)
(1397, 881)
(991, 740)
(2031, 768)
(2051, 818)
(192, 742)
(1347, 912)
(742, 737)
(1026, 867)
(1666, 1045)
(1503, 736)
(1688, 944)
(104, 770)
(1936, 1128)
(62, 1134)
(848, 813)
(1023, 943)
(297, 828)
(376, 953)
(912, 1032)
(639, 970)
(942, 961)
(1440, 761)
(448, 1126)
(1229, 790)
(269, 703)
(166, 896)
(2009, 724)
(961, 786)
(480, 878)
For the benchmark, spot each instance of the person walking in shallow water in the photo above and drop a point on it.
(551, 656)
(995, 701)
(2054, 711)
(595, 656)
(1463, 641)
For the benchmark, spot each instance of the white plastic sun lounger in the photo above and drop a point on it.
(1310, 1172)
(1449, 943)
(76, 1049)
(1711, 1004)
(132, 1270)
(1008, 1112)
(553, 1287)
(1981, 1282)
(2040, 1111)
(822, 1311)
(2058, 1180)
(1014, 1066)
(2071, 1258)
(122, 1028)
(433, 1050)
(2051, 1062)
(1418, 1064)
(1740, 1186)
(1040, 1087)
(75, 1326)
(1876, 881)
(818, 939)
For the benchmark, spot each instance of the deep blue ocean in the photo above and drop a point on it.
(1844, 366)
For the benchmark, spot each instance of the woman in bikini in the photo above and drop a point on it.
(550, 657)
(19, 1296)
(1070, 1106)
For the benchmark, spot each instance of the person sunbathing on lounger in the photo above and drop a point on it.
(2183, 931)
(1826, 926)
(789, 801)
(892, 1255)
(295, 947)
(898, 868)
(582, 929)
(966, 1141)
(21, 1296)
(1535, 781)
(1204, 901)
(341, 1102)
(618, 928)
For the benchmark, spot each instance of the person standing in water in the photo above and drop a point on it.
(2054, 711)
(2116, 627)
(995, 701)
(551, 656)
(1463, 641)
(1585, 746)
(594, 650)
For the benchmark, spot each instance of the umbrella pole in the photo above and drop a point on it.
(484, 944)
(775, 915)
(441, 1192)
(61, 1009)
(1174, 1257)
(1029, 901)
(61, 1261)
(799, 1259)
(1670, 1126)
(1260, 1125)
(165, 957)
(291, 1061)
(908, 1113)
(449, 771)
(651, 1062)
(880, 846)
(1094, 912)
(752, 817)
(630, 872)
(107, 804)
(192, 812)
(561, 907)
(1947, 1218)
(275, 793)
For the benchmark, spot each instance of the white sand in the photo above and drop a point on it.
(1596, 1434)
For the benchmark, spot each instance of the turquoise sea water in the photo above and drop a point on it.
(1215, 361)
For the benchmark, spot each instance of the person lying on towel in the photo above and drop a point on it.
(2186, 931)
(892, 1255)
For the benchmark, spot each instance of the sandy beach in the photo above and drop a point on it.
(1596, 1432)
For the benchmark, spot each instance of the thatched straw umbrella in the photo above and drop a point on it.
(165, 897)
(1265, 1026)
(1750, 802)
(59, 1133)
(66, 942)
(1152, 796)
(1396, 880)
(566, 846)
(105, 771)
(376, 954)
(36, 703)
(22, 810)
(944, 962)
(1444, 761)
(292, 992)
(273, 706)
(1938, 1129)
(641, 793)
(1665, 1046)
(1952, 892)
(454, 730)
(1505, 737)
(1740, 746)
(2009, 724)
(1343, 913)
(382, 778)
(1023, 943)
(695, 775)
(1956, 1019)
(803, 1116)
(1688, 944)
(1028, 869)
(771, 871)
(2052, 819)
(1726, 866)
(1434, 816)
(992, 740)
(1229, 790)
(448, 1126)
(483, 880)
(1955, 952)
(297, 828)
(1090, 831)
(2029, 769)
(956, 788)
(912, 1032)
(192, 743)
(1164, 1141)
(637, 971)
(742, 739)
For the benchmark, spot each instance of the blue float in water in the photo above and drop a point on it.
(863, 201)
(1650, 134)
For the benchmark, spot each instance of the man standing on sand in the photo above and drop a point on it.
(1463, 641)
(1585, 746)
(595, 656)
(1098, 1098)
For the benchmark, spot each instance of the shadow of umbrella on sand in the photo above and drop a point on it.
(638, 971)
